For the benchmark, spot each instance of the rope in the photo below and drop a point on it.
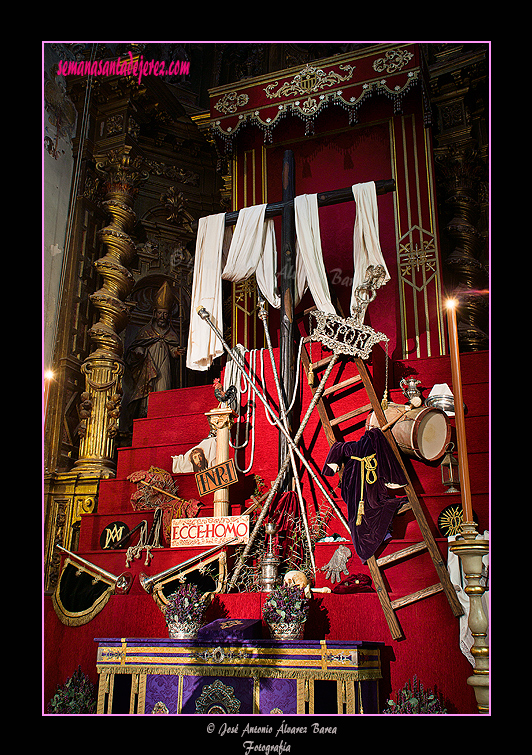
(135, 551)
(296, 384)
(368, 465)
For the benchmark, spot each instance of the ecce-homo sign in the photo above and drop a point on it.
(216, 477)
(209, 530)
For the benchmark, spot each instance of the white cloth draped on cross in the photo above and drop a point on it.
(251, 249)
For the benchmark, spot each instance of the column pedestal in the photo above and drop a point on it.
(471, 551)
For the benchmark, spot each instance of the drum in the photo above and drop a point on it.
(423, 432)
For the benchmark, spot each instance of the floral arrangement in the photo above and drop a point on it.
(413, 698)
(185, 606)
(77, 695)
(286, 604)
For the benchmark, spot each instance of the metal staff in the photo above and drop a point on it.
(121, 584)
(148, 582)
(204, 314)
(282, 407)
(282, 470)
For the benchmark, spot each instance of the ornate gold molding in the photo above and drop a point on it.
(231, 101)
(69, 496)
(392, 61)
(309, 80)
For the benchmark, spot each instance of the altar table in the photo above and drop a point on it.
(138, 676)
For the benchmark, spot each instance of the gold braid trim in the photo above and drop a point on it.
(368, 465)
(241, 671)
(82, 617)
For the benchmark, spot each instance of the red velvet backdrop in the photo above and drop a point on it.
(408, 308)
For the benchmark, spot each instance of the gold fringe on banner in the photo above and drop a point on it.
(244, 671)
(78, 618)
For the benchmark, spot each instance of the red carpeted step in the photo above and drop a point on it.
(132, 459)
(474, 367)
(184, 429)
(427, 481)
(92, 527)
(402, 578)
(115, 495)
(196, 400)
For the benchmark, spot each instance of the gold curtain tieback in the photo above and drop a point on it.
(368, 466)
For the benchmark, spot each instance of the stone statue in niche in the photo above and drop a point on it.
(151, 355)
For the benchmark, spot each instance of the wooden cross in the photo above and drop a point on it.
(285, 208)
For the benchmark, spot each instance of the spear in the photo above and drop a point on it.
(282, 407)
(205, 315)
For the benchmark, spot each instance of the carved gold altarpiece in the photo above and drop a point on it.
(145, 173)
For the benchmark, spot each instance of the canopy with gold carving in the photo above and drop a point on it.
(345, 81)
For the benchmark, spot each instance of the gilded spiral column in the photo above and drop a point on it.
(104, 367)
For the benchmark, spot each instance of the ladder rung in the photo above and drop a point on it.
(343, 384)
(350, 415)
(432, 590)
(320, 363)
(398, 555)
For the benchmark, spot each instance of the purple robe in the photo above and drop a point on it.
(380, 504)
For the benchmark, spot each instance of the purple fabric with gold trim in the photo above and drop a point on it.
(380, 503)
(231, 629)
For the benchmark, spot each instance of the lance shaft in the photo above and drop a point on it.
(282, 407)
(204, 314)
(282, 470)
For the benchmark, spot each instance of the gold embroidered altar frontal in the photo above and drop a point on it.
(246, 677)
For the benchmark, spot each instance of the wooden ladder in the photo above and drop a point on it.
(375, 565)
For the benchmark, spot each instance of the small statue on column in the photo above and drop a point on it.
(150, 357)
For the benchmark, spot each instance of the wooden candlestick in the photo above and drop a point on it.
(469, 547)
(459, 413)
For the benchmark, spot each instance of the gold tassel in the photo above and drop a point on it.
(384, 402)
(310, 377)
(360, 513)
